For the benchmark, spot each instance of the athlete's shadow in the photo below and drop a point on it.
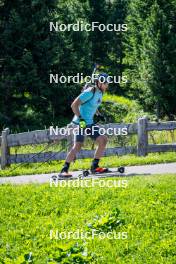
(125, 175)
(136, 174)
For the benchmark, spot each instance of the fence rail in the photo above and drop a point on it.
(141, 128)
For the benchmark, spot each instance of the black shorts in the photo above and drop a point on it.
(91, 131)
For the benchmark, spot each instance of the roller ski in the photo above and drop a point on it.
(63, 175)
(102, 172)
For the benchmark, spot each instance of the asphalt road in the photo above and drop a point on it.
(129, 171)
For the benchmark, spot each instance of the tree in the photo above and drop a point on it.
(115, 49)
(149, 55)
(158, 64)
(31, 52)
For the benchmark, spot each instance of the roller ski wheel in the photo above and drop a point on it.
(121, 169)
(86, 173)
(54, 177)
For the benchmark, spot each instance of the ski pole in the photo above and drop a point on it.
(93, 72)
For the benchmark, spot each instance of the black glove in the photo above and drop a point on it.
(101, 118)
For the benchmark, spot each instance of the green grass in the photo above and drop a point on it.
(114, 161)
(118, 99)
(147, 208)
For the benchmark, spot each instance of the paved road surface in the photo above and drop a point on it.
(129, 171)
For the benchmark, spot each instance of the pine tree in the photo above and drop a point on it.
(157, 78)
(150, 46)
(31, 52)
(115, 50)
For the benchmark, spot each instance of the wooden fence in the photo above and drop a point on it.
(141, 128)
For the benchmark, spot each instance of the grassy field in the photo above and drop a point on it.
(145, 211)
(115, 161)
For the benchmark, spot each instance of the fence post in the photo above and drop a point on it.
(142, 137)
(70, 139)
(4, 149)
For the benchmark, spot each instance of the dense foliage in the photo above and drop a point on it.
(29, 52)
(150, 55)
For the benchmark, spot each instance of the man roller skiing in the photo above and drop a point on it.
(85, 106)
